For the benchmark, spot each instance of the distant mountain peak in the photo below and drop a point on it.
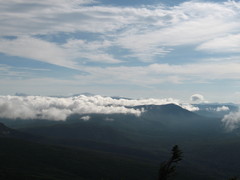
(170, 109)
(85, 94)
(163, 107)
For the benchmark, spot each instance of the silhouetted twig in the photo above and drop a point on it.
(168, 168)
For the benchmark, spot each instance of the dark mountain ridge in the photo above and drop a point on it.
(147, 138)
(11, 133)
(158, 125)
(166, 109)
(4, 130)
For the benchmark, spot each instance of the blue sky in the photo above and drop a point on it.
(137, 48)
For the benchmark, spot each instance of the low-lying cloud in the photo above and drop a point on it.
(55, 108)
(216, 109)
(222, 108)
(232, 121)
(86, 118)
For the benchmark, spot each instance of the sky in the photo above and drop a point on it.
(135, 49)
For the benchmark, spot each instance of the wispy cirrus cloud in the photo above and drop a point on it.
(228, 43)
(190, 23)
(36, 49)
(68, 55)
(93, 51)
(160, 73)
(98, 78)
(47, 17)
(147, 31)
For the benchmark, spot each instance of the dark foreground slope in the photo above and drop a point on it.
(27, 160)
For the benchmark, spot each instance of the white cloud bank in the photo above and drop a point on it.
(53, 108)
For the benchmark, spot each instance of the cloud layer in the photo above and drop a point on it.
(145, 32)
(53, 108)
(149, 48)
